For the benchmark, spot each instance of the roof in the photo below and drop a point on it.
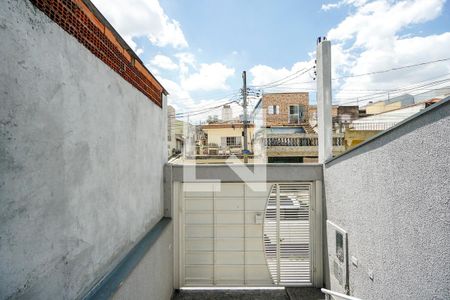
(226, 125)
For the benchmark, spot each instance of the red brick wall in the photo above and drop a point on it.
(77, 19)
(283, 100)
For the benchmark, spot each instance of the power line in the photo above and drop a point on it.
(384, 71)
(284, 79)
(393, 69)
(401, 91)
(205, 108)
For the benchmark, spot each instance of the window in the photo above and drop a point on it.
(273, 109)
(231, 141)
(296, 114)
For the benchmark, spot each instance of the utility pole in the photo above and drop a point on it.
(244, 105)
(324, 99)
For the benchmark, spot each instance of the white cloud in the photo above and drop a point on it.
(329, 6)
(298, 78)
(209, 77)
(163, 62)
(372, 39)
(138, 18)
(183, 102)
(186, 61)
(177, 95)
(376, 23)
(139, 51)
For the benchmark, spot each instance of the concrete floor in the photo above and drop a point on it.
(287, 294)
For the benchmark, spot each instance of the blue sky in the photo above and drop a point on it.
(198, 49)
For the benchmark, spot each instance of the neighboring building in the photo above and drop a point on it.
(440, 93)
(185, 135)
(226, 138)
(227, 113)
(171, 138)
(342, 116)
(181, 135)
(312, 115)
(284, 109)
(364, 128)
(284, 130)
(390, 104)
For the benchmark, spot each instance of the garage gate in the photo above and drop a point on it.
(231, 235)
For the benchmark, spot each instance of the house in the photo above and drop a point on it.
(362, 129)
(171, 131)
(283, 109)
(342, 116)
(227, 113)
(227, 138)
(389, 104)
(283, 131)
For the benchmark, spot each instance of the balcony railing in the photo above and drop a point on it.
(299, 140)
(372, 126)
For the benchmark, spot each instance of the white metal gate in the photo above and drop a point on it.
(231, 235)
(287, 234)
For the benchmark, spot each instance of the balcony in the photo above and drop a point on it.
(299, 144)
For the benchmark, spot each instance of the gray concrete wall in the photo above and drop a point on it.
(152, 279)
(392, 195)
(81, 160)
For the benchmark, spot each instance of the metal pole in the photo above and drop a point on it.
(244, 105)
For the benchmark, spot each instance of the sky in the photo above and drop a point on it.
(198, 49)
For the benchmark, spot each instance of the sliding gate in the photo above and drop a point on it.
(231, 235)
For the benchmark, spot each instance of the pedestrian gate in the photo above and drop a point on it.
(231, 235)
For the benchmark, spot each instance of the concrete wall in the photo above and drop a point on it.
(81, 160)
(391, 196)
(152, 279)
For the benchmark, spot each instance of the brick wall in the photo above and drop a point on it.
(283, 100)
(78, 20)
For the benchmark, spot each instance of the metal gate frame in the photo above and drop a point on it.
(316, 232)
(277, 272)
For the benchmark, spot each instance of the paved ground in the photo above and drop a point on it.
(305, 294)
(288, 294)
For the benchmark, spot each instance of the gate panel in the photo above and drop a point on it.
(295, 266)
(239, 237)
(287, 234)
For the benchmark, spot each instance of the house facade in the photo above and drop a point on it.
(226, 138)
(284, 132)
(284, 109)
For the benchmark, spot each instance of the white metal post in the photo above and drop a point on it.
(278, 233)
(324, 120)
